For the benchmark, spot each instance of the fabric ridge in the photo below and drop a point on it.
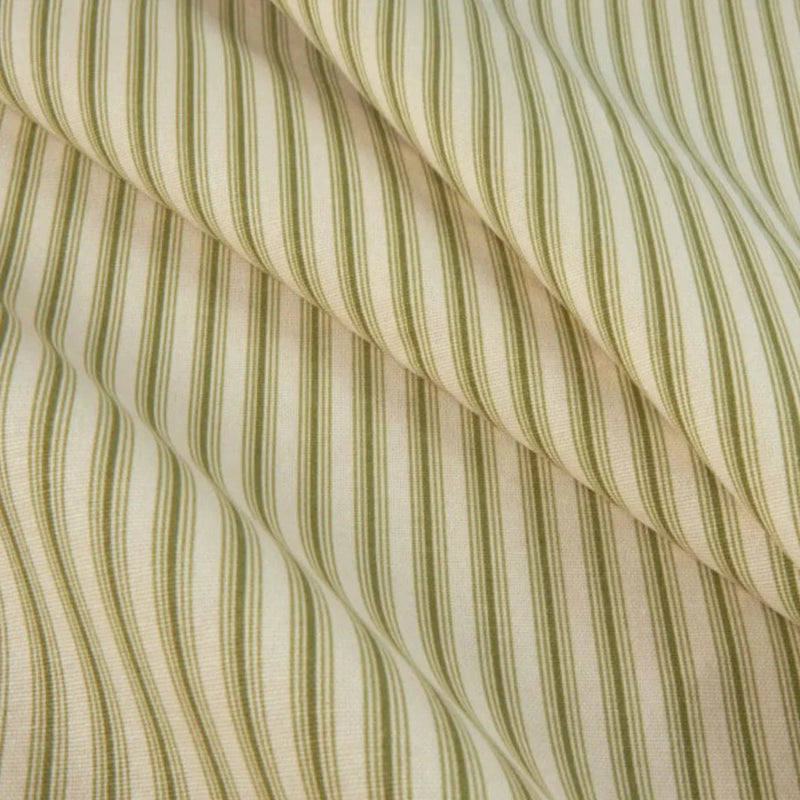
(399, 399)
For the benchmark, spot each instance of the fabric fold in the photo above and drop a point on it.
(430, 284)
(399, 399)
(247, 554)
(642, 161)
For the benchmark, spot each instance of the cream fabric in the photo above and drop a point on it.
(399, 399)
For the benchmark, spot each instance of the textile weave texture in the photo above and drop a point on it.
(400, 399)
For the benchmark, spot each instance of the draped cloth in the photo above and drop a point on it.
(400, 399)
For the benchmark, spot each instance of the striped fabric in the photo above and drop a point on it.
(400, 399)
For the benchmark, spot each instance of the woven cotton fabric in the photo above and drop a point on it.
(400, 399)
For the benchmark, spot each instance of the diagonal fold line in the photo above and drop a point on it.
(241, 522)
(263, 143)
(682, 269)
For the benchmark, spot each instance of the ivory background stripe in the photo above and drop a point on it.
(457, 307)
(399, 401)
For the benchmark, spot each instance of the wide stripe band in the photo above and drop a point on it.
(399, 399)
